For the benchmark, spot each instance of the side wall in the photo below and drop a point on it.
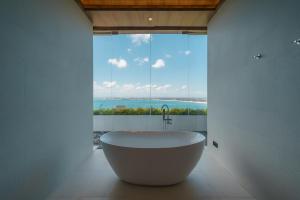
(45, 94)
(254, 105)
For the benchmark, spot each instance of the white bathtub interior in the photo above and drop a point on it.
(148, 139)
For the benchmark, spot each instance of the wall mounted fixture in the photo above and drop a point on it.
(150, 19)
(297, 41)
(258, 56)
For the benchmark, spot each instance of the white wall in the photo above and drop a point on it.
(45, 95)
(148, 123)
(254, 105)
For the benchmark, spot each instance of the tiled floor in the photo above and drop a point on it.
(95, 180)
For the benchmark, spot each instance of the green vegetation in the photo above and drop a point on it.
(146, 111)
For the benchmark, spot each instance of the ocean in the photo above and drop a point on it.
(142, 103)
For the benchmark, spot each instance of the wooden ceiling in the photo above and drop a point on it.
(150, 4)
(150, 16)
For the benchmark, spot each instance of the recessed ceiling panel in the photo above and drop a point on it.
(121, 16)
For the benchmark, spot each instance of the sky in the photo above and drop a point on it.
(140, 65)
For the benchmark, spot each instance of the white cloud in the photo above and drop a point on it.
(146, 86)
(104, 84)
(103, 89)
(129, 50)
(138, 39)
(159, 63)
(98, 90)
(128, 86)
(168, 56)
(130, 89)
(141, 61)
(119, 63)
(187, 52)
(96, 85)
(153, 86)
(183, 87)
(163, 87)
(109, 84)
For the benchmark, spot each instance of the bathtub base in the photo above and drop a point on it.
(163, 166)
(149, 185)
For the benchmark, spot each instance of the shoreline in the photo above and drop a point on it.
(156, 99)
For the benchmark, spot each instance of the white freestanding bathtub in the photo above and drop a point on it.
(153, 158)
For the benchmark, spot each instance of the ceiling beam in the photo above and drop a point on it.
(146, 28)
(151, 9)
(151, 5)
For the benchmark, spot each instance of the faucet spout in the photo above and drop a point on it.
(166, 118)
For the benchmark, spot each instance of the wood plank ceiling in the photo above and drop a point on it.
(150, 16)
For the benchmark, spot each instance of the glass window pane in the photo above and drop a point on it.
(135, 72)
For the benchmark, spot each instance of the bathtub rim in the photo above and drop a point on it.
(201, 139)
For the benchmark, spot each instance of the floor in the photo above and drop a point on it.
(95, 180)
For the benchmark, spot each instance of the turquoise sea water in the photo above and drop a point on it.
(140, 103)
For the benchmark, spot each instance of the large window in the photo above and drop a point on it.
(137, 74)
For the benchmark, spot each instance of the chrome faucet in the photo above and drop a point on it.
(166, 118)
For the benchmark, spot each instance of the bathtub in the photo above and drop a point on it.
(153, 158)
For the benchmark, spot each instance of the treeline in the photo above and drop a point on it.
(146, 111)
